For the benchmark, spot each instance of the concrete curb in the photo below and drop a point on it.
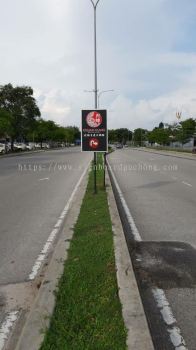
(139, 337)
(38, 319)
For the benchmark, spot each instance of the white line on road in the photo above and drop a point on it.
(48, 245)
(159, 295)
(134, 229)
(167, 314)
(45, 178)
(7, 326)
(59, 223)
(187, 184)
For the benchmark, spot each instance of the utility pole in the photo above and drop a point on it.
(95, 90)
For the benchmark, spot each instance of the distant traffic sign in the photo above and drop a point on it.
(94, 131)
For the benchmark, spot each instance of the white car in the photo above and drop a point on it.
(45, 145)
(20, 146)
(30, 146)
(2, 148)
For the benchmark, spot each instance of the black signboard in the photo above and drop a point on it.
(94, 130)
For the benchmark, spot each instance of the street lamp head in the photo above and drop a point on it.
(103, 91)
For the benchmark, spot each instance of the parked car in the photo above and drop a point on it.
(2, 148)
(37, 145)
(19, 146)
(45, 145)
(30, 146)
(119, 145)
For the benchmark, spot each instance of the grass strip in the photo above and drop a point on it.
(88, 313)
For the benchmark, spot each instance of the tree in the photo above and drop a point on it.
(161, 125)
(121, 135)
(20, 104)
(43, 130)
(188, 128)
(159, 135)
(5, 123)
(139, 136)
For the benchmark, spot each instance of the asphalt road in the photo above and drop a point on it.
(160, 192)
(34, 189)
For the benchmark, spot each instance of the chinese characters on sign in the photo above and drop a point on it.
(94, 131)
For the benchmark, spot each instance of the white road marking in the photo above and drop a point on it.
(134, 229)
(45, 178)
(159, 295)
(187, 184)
(167, 314)
(7, 326)
(52, 235)
(59, 223)
(48, 245)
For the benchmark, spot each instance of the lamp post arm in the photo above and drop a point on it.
(95, 4)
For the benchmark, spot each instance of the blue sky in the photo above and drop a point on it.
(146, 54)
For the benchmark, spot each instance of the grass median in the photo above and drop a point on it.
(88, 313)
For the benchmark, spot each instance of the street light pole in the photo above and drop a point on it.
(95, 47)
(95, 90)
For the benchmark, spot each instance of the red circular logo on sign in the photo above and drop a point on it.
(94, 119)
(94, 143)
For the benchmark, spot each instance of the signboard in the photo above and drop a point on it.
(94, 130)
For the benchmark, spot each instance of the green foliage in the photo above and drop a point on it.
(49, 131)
(21, 107)
(186, 130)
(139, 136)
(5, 123)
(20, 118)
(119, 135)
(181, 132)
(159, 135)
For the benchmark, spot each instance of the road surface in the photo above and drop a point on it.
(160, 192)
(34, 189)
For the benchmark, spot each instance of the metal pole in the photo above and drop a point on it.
(96, 91)
(95, 49)
(104, 170)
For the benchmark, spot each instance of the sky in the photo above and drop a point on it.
(146, 54)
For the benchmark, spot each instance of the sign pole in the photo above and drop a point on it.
(96, 91)
(95, 173)
(104, 164)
